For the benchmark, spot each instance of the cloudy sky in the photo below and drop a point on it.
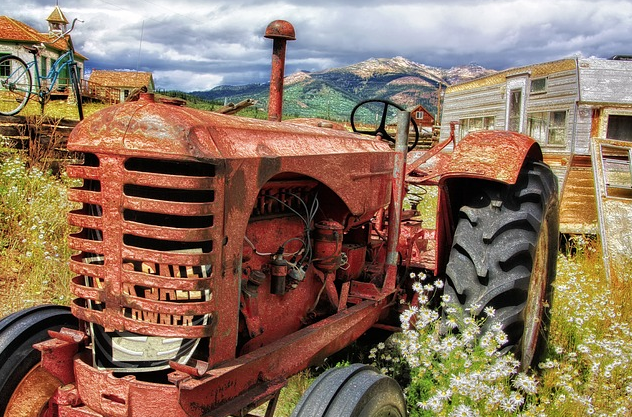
(198, 44)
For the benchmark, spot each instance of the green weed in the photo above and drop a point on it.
(59, 109)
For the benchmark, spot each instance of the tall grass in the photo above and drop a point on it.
(33, 232)
(588, 369)
(59, 109)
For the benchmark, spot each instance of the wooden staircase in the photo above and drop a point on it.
(578, 210)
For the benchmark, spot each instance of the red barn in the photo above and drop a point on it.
(422, 117)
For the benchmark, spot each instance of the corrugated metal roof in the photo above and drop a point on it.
(120, 79)
(535, 70)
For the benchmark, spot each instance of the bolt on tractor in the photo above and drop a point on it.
(216, 256)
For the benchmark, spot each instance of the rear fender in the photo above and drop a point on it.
(492, 154)
(488, 155)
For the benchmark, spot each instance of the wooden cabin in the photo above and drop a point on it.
(125, 82)
(426, 124)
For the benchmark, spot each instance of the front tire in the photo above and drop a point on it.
(15, 85)
(504, 256)
(25, 386)
(353, 391)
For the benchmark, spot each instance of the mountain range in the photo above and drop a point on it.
(332, 93)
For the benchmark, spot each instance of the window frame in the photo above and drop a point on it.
(486, 123)
(547, 129)
(3, 54)
(535, 81)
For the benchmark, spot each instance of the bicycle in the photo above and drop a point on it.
(16, 82)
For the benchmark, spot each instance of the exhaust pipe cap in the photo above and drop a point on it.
(280, 29)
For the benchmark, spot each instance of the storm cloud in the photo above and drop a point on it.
(196, 45)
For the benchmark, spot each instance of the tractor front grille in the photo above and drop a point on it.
(148, 253)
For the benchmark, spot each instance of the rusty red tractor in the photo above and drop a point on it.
(216, 256)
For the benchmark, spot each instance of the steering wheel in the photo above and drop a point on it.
(381, 129)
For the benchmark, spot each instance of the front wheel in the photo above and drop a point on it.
(15, 85)
(353, 391)
(504, 256)
(25, 387)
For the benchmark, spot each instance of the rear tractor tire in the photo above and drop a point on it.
(26, 387)
(504, 256)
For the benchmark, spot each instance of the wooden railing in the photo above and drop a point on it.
(107, 95)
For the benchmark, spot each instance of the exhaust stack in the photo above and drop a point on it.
(280, 31)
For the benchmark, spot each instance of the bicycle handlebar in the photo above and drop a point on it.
(72, 26)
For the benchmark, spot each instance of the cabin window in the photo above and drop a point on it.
(547, 127)
(619, 127)
(5, 68)
(475, 123)
(43, 68)
(538, 86)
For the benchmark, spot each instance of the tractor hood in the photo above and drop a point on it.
(150, 127)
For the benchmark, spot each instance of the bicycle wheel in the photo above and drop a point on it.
(15, 85)
(77, 89)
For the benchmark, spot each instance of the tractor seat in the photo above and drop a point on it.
(34, 49)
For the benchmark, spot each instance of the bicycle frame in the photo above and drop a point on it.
(66, 60)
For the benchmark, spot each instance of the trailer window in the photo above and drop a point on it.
(475, 123)
(515, 110)
(617, 171)
(619, 127)
(547, 127)
(557, 128)
(538, 86)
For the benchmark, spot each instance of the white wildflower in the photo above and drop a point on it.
(525, 383)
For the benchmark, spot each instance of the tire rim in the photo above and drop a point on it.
(536, 299)
(30, 398)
